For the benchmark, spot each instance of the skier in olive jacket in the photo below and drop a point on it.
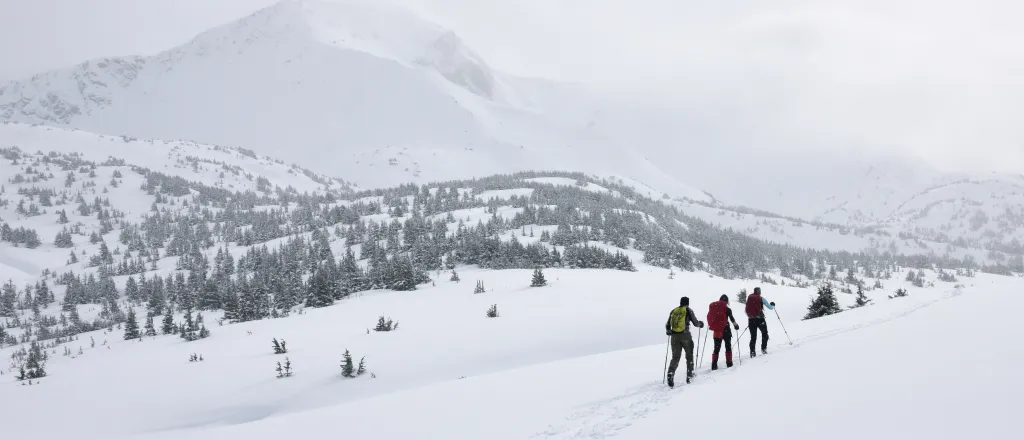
(678, 327)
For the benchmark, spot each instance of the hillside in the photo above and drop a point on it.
(384, 95)
(209, 253)
(543, 372)
(618, 393)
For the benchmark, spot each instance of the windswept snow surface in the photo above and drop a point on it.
(581, 358)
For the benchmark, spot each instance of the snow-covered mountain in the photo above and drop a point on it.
(357, 89)
(376, 95)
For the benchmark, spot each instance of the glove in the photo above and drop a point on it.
(772, 303)
(700, 324)
(668, 332)
(736, 326)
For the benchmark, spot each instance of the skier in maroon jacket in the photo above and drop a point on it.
(755, 314)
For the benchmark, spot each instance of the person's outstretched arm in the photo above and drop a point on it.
(769, 305)
(692, 317)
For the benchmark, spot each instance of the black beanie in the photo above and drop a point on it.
(724, 298)
(757, 290)
(684, 301)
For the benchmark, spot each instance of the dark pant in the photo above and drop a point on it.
(681, 342)
(727, 338)
(755, 325)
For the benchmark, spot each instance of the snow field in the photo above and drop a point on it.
(443, 336)
(882, 371)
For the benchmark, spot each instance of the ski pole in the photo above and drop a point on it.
(739, 353)
(696, 353)
(664, 374)
(783, 327)
(703, 348)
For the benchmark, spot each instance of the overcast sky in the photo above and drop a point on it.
(940, 79)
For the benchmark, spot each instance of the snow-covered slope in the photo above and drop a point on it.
(229, 168)
(580, 357)
(166, 214)
(978, 212)
(347, 88)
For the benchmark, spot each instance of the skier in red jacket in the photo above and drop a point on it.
(719, 315)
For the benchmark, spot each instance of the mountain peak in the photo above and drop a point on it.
(376, 28)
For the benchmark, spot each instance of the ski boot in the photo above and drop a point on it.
(753, 353)
(689, 376)
(671, 380)
(728, 360)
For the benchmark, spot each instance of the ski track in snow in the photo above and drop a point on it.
(607, 418)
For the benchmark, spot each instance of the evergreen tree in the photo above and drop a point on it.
(43, 294)
(74, 318)
(319, 291)
(362, 366)
(168, 323)
(825, 304)
(493, 311)
(63, 240)
(8, 299)
(862, 300)
(105, 255)
(538, 279)
(279, 347)
(455, 276)
(385, 325)
(150, 330)
(742, 296)
(131, 290)
(479, 287)
(347, 368)
(34, 366)
(131, 326)
(188, 329)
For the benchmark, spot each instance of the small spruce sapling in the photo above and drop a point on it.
(362, 366)
(150, 330)
(279, 347)
(287, 367)
(385, 325)
(347, 369)
(455, 276)
(538, 279)
(862, 300)
(900, 293)
(479, 287)
(493, 311)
